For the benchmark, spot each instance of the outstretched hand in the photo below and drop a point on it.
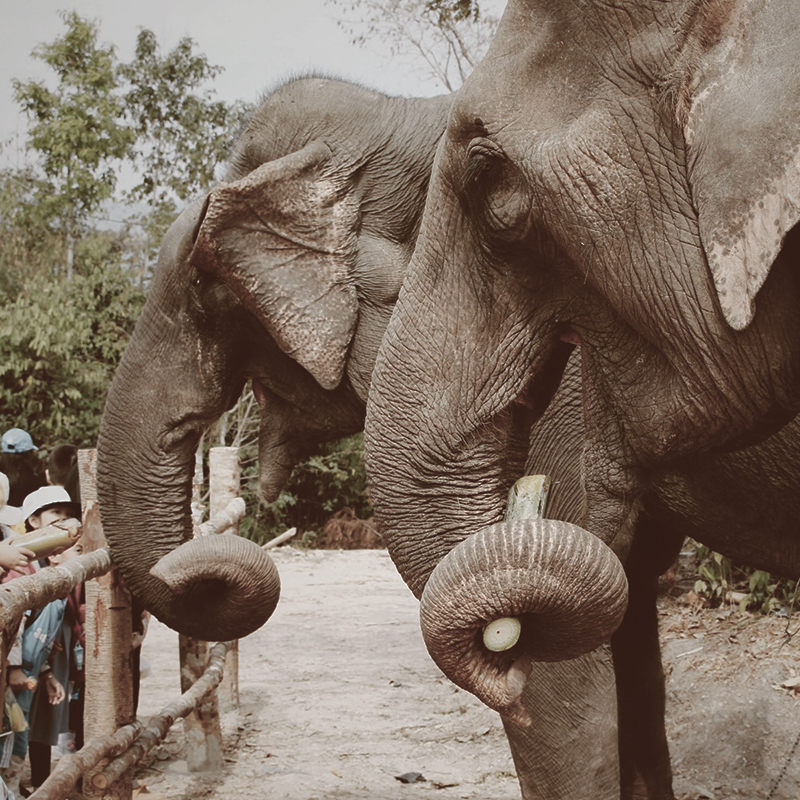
(55, 691)
(12, 557)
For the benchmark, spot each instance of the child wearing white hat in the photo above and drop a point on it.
(11, 557)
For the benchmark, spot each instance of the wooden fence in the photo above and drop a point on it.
(115, 740)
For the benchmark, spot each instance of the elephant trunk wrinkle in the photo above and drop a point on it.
(520, 569)
(228, 585)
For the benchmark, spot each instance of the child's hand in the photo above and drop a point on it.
(12, 557)
(55, 691)
(17, 679)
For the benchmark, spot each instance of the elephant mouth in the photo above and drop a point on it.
(538, 392)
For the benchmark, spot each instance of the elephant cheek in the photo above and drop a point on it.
(567, 589)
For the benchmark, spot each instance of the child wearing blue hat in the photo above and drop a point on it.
(19, 460)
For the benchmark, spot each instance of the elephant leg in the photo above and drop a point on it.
(645, 769)
(570, 751)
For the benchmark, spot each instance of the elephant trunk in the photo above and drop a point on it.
(566, 589)
(565, 586)
(457, 385)
(217, 588)
(219, 578)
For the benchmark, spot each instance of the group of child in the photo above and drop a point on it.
(44, 678)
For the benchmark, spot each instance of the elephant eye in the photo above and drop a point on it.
(495, 192)
(482, 159)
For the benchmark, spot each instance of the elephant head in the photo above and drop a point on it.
(620, 177)
(284, 275)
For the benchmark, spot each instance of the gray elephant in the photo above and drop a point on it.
(284, 275)
(622, 178)
(747, 502)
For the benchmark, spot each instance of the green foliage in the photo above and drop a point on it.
(182, 131)
(28, 244)
(457, 10)
(720, 581)
(60, 343)
(330, 479)
(326, 482)
(75, 128)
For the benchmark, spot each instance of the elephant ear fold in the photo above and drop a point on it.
(742, 129)
(283, 238)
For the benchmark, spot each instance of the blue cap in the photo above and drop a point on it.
(16, 440)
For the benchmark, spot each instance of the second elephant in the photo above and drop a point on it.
(284, 275)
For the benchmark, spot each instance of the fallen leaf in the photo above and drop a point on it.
(410, 777)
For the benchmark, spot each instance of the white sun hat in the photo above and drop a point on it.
(9, 515)
(47, 497)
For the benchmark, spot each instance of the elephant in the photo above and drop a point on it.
(285, 274)
(746, 501)
(620, 179)
(745, 495)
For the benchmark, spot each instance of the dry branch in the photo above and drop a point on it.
(158, 726)
(284, 537)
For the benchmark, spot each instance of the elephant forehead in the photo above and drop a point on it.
(535, 85)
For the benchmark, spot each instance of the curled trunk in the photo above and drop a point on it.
(160, 402)
(566, 588)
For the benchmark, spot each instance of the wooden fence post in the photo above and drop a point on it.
(224, 485)
(202, 727)
(109, 685)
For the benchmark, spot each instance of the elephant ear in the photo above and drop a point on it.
(743, 136)
(283, 238)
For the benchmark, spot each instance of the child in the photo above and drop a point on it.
(47, 647)
(10, 557)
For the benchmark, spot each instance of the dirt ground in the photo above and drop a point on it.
(339, 700)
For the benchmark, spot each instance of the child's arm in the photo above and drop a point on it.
(55, 691)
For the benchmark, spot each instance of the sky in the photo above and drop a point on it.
(258, 42)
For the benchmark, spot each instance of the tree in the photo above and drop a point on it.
(60, 343)
(182, 132)
(28, 243)
(76, 128)
(450, 37)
